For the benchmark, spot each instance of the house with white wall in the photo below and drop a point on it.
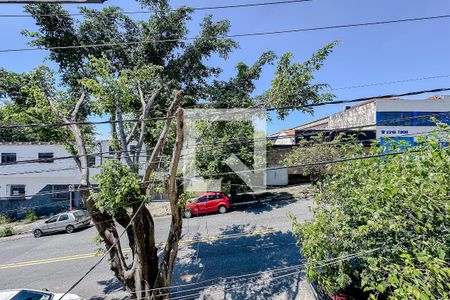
(44, 177)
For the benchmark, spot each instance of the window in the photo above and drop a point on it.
(52, 220)
(63, 218)
(214, 197)
(45, 157)
(132, 150)
(91, 161)
(60, 192)
(17, 190)
(32, 295)
(9, 157)
(79, 214)
(202, 199)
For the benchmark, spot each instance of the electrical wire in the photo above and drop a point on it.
(270, 168)
(436, 90)
(239, 35)
(360, 99)
(388, 82)
(215, 145)
(107, 251)
(40, 125)
(204, 8)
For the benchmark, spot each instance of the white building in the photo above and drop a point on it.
(47, 184)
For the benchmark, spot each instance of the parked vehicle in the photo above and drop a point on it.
(68, 221)
(208, 203)
(25, 294)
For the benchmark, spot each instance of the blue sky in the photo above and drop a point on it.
(365, 55)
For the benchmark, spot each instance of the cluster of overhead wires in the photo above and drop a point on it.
(189, 291)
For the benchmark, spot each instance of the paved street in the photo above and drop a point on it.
(252, 242)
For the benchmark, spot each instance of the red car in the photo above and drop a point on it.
(207, 203)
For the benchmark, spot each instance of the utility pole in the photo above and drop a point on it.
(71, 187)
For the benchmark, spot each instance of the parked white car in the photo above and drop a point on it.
(25, 294)
(68, 222)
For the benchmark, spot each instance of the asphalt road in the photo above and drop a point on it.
(253, 243)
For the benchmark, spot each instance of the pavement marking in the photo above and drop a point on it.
(127, 250)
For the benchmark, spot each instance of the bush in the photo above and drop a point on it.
(6, 231)
(4, 219)
(31, 217)
(318, 149)
(394, 212)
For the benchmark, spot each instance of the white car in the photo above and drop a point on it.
(68, 221)
(25, 294)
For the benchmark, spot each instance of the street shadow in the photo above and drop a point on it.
(259, 208)
(262, 202)
(111, 286)
(243, 266)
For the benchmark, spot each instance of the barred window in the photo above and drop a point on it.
(60, 192)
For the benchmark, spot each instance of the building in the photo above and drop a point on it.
(49, 184)
(379, 120)
(392, 118)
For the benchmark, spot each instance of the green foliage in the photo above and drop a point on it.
(118, 187)
(396, 204)
(98, 241)
(292, 85)
(4, 219)
(6, 231)
(318, 149)
(185, 198)
(31, 217)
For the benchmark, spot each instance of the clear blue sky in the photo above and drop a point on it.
(366, 54)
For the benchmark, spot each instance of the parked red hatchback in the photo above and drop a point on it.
(208, 203)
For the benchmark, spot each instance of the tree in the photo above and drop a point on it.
(145, 70)
(319, 149)
(292, 86)
(390, 217)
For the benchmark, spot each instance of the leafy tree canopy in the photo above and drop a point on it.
(397, 205)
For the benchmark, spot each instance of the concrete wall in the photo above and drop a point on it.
(364, 115)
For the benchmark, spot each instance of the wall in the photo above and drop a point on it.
(363, 115)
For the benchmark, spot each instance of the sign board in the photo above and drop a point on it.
(50, 1)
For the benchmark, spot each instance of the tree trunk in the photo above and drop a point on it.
(171, 249)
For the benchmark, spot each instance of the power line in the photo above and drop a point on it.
(239, 35)
(318, 163)
(388, 82)
(39, 125)
(108, 250)
(436, 90)
(214, 145)
(273, 168)
(249, 276)
(204, 8)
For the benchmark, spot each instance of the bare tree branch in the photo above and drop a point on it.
(144, 116)
(122, 137)
(162, 138)
(76, 109)
(171, 248)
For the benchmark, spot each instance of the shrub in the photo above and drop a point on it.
(31, 217)
(394, 212)
(4, 219)
(319, 149)
(6, 231)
